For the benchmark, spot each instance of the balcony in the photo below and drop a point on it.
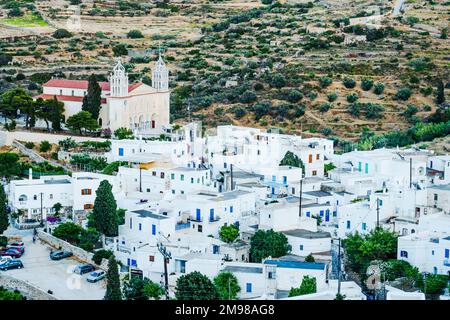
(124, 249)
(214, 219)
(180, 226)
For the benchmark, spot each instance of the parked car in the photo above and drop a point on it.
(95, 276)
(84, 268)
(16, 245)
(4, 259)
(61, 254)
(13, 252)
(11, 264)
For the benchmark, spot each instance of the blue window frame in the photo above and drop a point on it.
(248, 287)
(366, 168)
(198, 215)
(120, 152)
(215, 249)
(348, 224)
(140, 226)
(327, 215)
(432, 252)
(359, 166)
(273, 190)
(380, 202)
(284, 180)
(224, 165)
(308, 214)
(364, 226)
(334, 213)
(231, 209)
(133, 263)
(211, 214)
(301, 247)
(447, 253)
(192, 180)
(153, 229)
(321, 213)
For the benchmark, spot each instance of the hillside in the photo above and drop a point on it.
(288, 65)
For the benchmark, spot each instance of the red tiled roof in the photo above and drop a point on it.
(83, 84)
(63, 98)
(73, 84)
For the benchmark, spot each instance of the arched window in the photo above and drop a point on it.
(23, 197)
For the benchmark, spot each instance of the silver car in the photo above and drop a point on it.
(96, 275)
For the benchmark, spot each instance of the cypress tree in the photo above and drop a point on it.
(4, 221)
(113, 291)
(440, 96)
(104, 213)
(92, 100)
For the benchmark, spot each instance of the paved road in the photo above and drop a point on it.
(57, 276)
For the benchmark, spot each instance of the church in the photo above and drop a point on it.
(139, 107)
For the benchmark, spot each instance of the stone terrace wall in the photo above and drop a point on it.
(26, 289)
(7, 138)
(78, 252)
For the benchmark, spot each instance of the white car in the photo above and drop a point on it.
(96, 275)
(4, 259)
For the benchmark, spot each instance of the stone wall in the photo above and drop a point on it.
(7, 138)
(78, 252)
(26, 289)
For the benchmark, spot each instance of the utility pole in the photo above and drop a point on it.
(378, 213)
(410, 173)
(42, 213)
(231, 172)
(339, 266)
(166, 256)
(229, 288)
(140, 178)
(300, 197)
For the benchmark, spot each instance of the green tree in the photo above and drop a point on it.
(195, 286)
(366, 84)
(4, 220)
(141, 289)
(120, 50)
(57, 207)
(123, 133)
(153, 290)
(307, 286)
(104, 213)
(440, 95)
(82, 120)
(45, 146)
(113, 291)
(378, 244)
(14, 100)
(69, 232)
(378, 88)
(277, 80)
(227, 286)
(55, 113)
(92, 101)
(135, 34)
(291, 159)
(9, 164)
(268, 243)
(403, 93)
(10, 295)
(349, 83)
(310, 258)
(325, 81)
(434, 284)
(61, 33)
(101, 254)
(228, 233)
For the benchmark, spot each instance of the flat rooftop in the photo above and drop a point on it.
(445, 187)
(318, 194)
(243, 269)
(296, 264)
(307, 234)
(149, 214)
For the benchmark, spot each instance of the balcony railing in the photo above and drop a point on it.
(123, 248)
(214, 219)
(180, 226)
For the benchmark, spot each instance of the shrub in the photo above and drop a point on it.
(324, 107)
(403, 93)
(352, 97)
(332, 96)
(325, 81)
(248, 97)
(326, 131)
(366, 84)
(45, 146)
(378, 88)
(239, 112)
(411, 110)
(101, 254)
(135, 34)
(61, 33)
(349, 83)
(277, 80)
(29, 145)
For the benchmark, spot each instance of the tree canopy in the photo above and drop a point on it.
(228, 233)
(195, 286)
(4, 220)
(227, 286)
(307, 286)
(113, 291)
(92, 101)
(82, 120)
(268, 243)
(104, 214)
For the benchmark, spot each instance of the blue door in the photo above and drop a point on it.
(211, 214)
(273, 190)
(198, 215)
(236, 224)
(327, 215)
(447, 253)
(249, 287)
(120, 151)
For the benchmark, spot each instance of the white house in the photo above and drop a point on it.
(304, 242)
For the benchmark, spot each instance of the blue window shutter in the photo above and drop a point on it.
(364, 226)
(327, 215)
(128, 261)
(198, 215)
(231, 209)
(140, 226)
(211, 214)
(153, 229)
(321, 213)
(249, 287)
(284, 179)
(348, 224)
(366, 168)
(120, 152)
(131, 223)
(359, 166)
(447, 253)
(308, 214)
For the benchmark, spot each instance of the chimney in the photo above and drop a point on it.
(30, 174)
